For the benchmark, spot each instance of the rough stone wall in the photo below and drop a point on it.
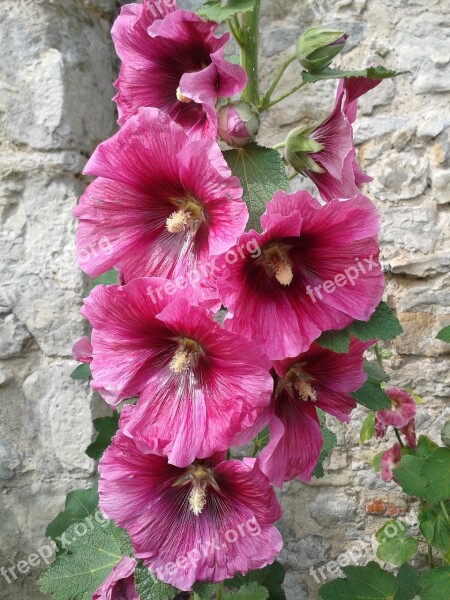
(56, 73)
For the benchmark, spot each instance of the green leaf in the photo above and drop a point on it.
(336, 341)
(371, 395)
(408, 583)
(435, 584)
(329, 441)
(382, 325)
(262, 439)
(108, 278)
(204, 591)
(76, 574)
(250, 591)
(105, 427)
(435, 526)
(393, 545)
(261, 172)
(271, 577)
(370, 73)
(215, 10)
(444, 335)
(376, 462)
(82, 372)
(408, 475)
(149, 588)
(79, 505)
(436, 472)
(361, 583)
(367, 430)
(425, 446)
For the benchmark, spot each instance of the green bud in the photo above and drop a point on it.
(317, 47)
(298, 148)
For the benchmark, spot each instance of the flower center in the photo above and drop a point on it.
(305, 390)
(177, 221)
(278, 265)
(189, 214)
(182, 98)
(185, 357)
(200, 476)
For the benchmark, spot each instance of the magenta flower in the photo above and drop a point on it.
(162, 205)
(402, 409)
(315, 379)
(318, 270)
(172, 60)
(119, 585)
(409, 433)
(205, 522)
(198, 385)
(389, 460)
(333, 167)
(82, 350)
(237, 124)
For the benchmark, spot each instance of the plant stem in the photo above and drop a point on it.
(444, 510)
(286, 95)
(378, 356)
(399, 438)
(219, 594)
(430, 556)
(278, 146)
(249, 53)
(267, 96)
(236, 32)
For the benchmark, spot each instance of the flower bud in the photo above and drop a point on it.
(299, 147)
(237, 124)
(317, 47)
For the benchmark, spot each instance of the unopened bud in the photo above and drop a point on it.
(317, 47)
(300, 147)
(237, 124)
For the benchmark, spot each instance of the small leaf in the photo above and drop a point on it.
(444, 335)
(108, 278)
(393, 545)
(215, 10)
(204, 591)
(371, 395)
(262, 439)
(370, 73)
(106, 428)
(367, 430)
(435, 526)
(329, 441)
(249, 591)
(79, 505)
(336, 341)
(271, 577)
(82, 372)
(361, 583)
(261, 172)
(376, 462)
(149, 588)
(435, 584)
(408, 583)
(382, 325)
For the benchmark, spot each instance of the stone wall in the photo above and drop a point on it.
(56, 73)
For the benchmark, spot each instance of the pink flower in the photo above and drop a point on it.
(315, 379)
(333, 168)
(409, 433)
(82, 350)
(172, 60)
(237, 124)
(402, 410)
(389, 460)
(205, 522)
(198, 385)
(318, 270)
(119, 585)
(161, 205)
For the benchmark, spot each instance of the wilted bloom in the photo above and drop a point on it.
(317, 47)
(402, 410)
(198, 385)
(119, 585)
(318, 270)
(172, 60)
(409, 433)
(317, 378)
(205, 522)
(237, 124)
(165, 204)
(389, 460)
(82, 350)
(325, 152)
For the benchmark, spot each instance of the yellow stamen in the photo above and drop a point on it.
(180, 362)
(177, 221)
(283, 271)
(182, 98)
(197, 499)
(305, 390)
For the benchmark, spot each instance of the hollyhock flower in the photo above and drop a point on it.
(205, 522)
(389, 460)
(402, 409)
(317, 378)
(161, 205)
(172, 60)
(198, 385)
(119, 585)
(324, 151)
(82, 350)
(409, 433)
(318, 270)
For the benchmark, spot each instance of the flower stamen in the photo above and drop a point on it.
(305, 390)
(182, 98)
(197, 499)
(283, 271)
(180, 362)
(177, 221)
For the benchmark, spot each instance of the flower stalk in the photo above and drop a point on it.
(249, 48)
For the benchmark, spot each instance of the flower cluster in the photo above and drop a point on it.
(173, 213)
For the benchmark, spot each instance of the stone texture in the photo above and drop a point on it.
(56, 74)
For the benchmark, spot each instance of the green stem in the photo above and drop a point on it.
(235, 32)
(444, 510)
(286, 95)
(399, 438)
(249, 53)
(378, 356)
(219, 594)
(278, 146)
(268, 95)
